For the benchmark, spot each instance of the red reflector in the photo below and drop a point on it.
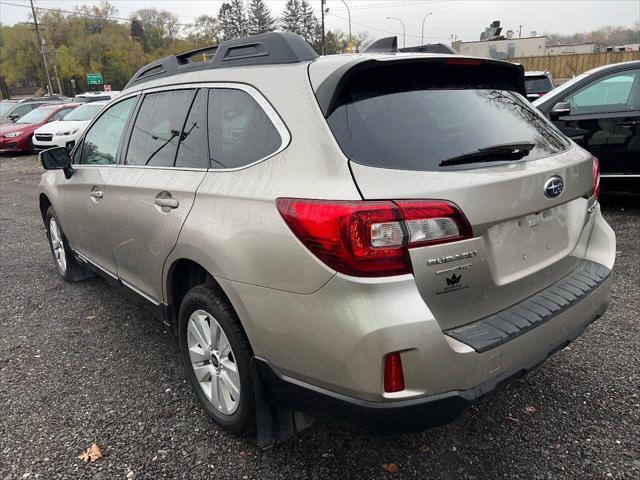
(371, 238)
(596, 178)
(393, 375)
(462, 61)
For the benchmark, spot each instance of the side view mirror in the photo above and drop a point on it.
(57, 158)
(561, 108)
(14, 117)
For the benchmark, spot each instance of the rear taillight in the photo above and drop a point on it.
(372, 238)
(596, 178)
(393, 374)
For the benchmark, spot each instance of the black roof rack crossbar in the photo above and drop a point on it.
(265, 49)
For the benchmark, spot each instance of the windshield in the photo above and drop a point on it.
(418, 128)
(83, 113)
(537, 84)
(36, 116)
(6, 107)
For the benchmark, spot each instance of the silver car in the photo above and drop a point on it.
(379, 239)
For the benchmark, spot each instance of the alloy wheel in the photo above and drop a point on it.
(213, 362)
(58, 246)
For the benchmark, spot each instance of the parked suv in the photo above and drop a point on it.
(537, 84)
(379, 238)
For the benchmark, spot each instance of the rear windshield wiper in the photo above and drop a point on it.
(495, 153)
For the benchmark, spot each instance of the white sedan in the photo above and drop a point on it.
(65, 132)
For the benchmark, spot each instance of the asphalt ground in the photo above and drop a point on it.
(80, 363)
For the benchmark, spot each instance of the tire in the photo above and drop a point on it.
(68, 268)
(208, 365)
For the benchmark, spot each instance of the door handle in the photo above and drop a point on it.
(96, 194)
(166, 202)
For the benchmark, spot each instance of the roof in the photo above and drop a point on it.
(265, 49)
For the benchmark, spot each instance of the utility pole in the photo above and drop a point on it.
(520, 32)
(44, 57)
(322, 15)
(55, 70)
(349, 14)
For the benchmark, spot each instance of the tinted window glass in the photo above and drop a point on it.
(156, 131)
(84, 112)
(240, 132)
(193, 151)
(537, 84)
(102, 139)
(414, 127)
(37, 115)
(23, 109)
(610, 94)
(60, 114)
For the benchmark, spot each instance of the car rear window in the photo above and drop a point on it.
(537, 84)
(406, 123)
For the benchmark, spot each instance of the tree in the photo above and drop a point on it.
(338, 42)
(233, 20)
(160, 28)
(291, 20)
(204, 31)
(298, 17)
(260, 20)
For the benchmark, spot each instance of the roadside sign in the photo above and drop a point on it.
(94, 79)
(107, 88)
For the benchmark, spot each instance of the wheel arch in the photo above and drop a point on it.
(44, 204)
(182, 275)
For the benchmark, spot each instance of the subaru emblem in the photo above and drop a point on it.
(554, 187)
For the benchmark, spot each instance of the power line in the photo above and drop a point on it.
(80, 14)
(378, 29)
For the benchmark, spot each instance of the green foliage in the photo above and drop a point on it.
(160, 28)
(338, 42)
(260, 19)
(298, 17)
(233, 20)
(205, 31)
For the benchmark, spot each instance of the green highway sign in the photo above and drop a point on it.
(94, 79)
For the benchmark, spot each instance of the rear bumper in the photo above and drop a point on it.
(401, 416)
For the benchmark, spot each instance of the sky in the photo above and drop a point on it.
(465, 19)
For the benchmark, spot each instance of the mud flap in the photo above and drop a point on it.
(275, 423)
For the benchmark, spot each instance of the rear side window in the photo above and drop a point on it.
(240, 132)
(157, 128)
(193, 151)
(540, 84)
(408, 122)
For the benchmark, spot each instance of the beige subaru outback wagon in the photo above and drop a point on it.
(378, 238)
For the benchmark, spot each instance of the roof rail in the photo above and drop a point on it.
(264, 49)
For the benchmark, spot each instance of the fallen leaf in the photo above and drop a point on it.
(509, 417)
(391, 467)
(425, 449)
(91, 317)
(92, 453)
(530, 409)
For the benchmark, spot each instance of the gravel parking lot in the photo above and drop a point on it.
(80, 363)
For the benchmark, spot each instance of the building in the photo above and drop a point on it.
(503, 48)
(572, 48)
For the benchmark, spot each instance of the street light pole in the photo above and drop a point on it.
(41, 47)
(423, 20)
(322, 15)
(349, 15)
(404, 30)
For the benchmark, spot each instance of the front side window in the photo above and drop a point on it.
(156, 131)
(240, 132)
(612, 93)
(102, 140)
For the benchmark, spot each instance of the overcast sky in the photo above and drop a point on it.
(466, 19)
